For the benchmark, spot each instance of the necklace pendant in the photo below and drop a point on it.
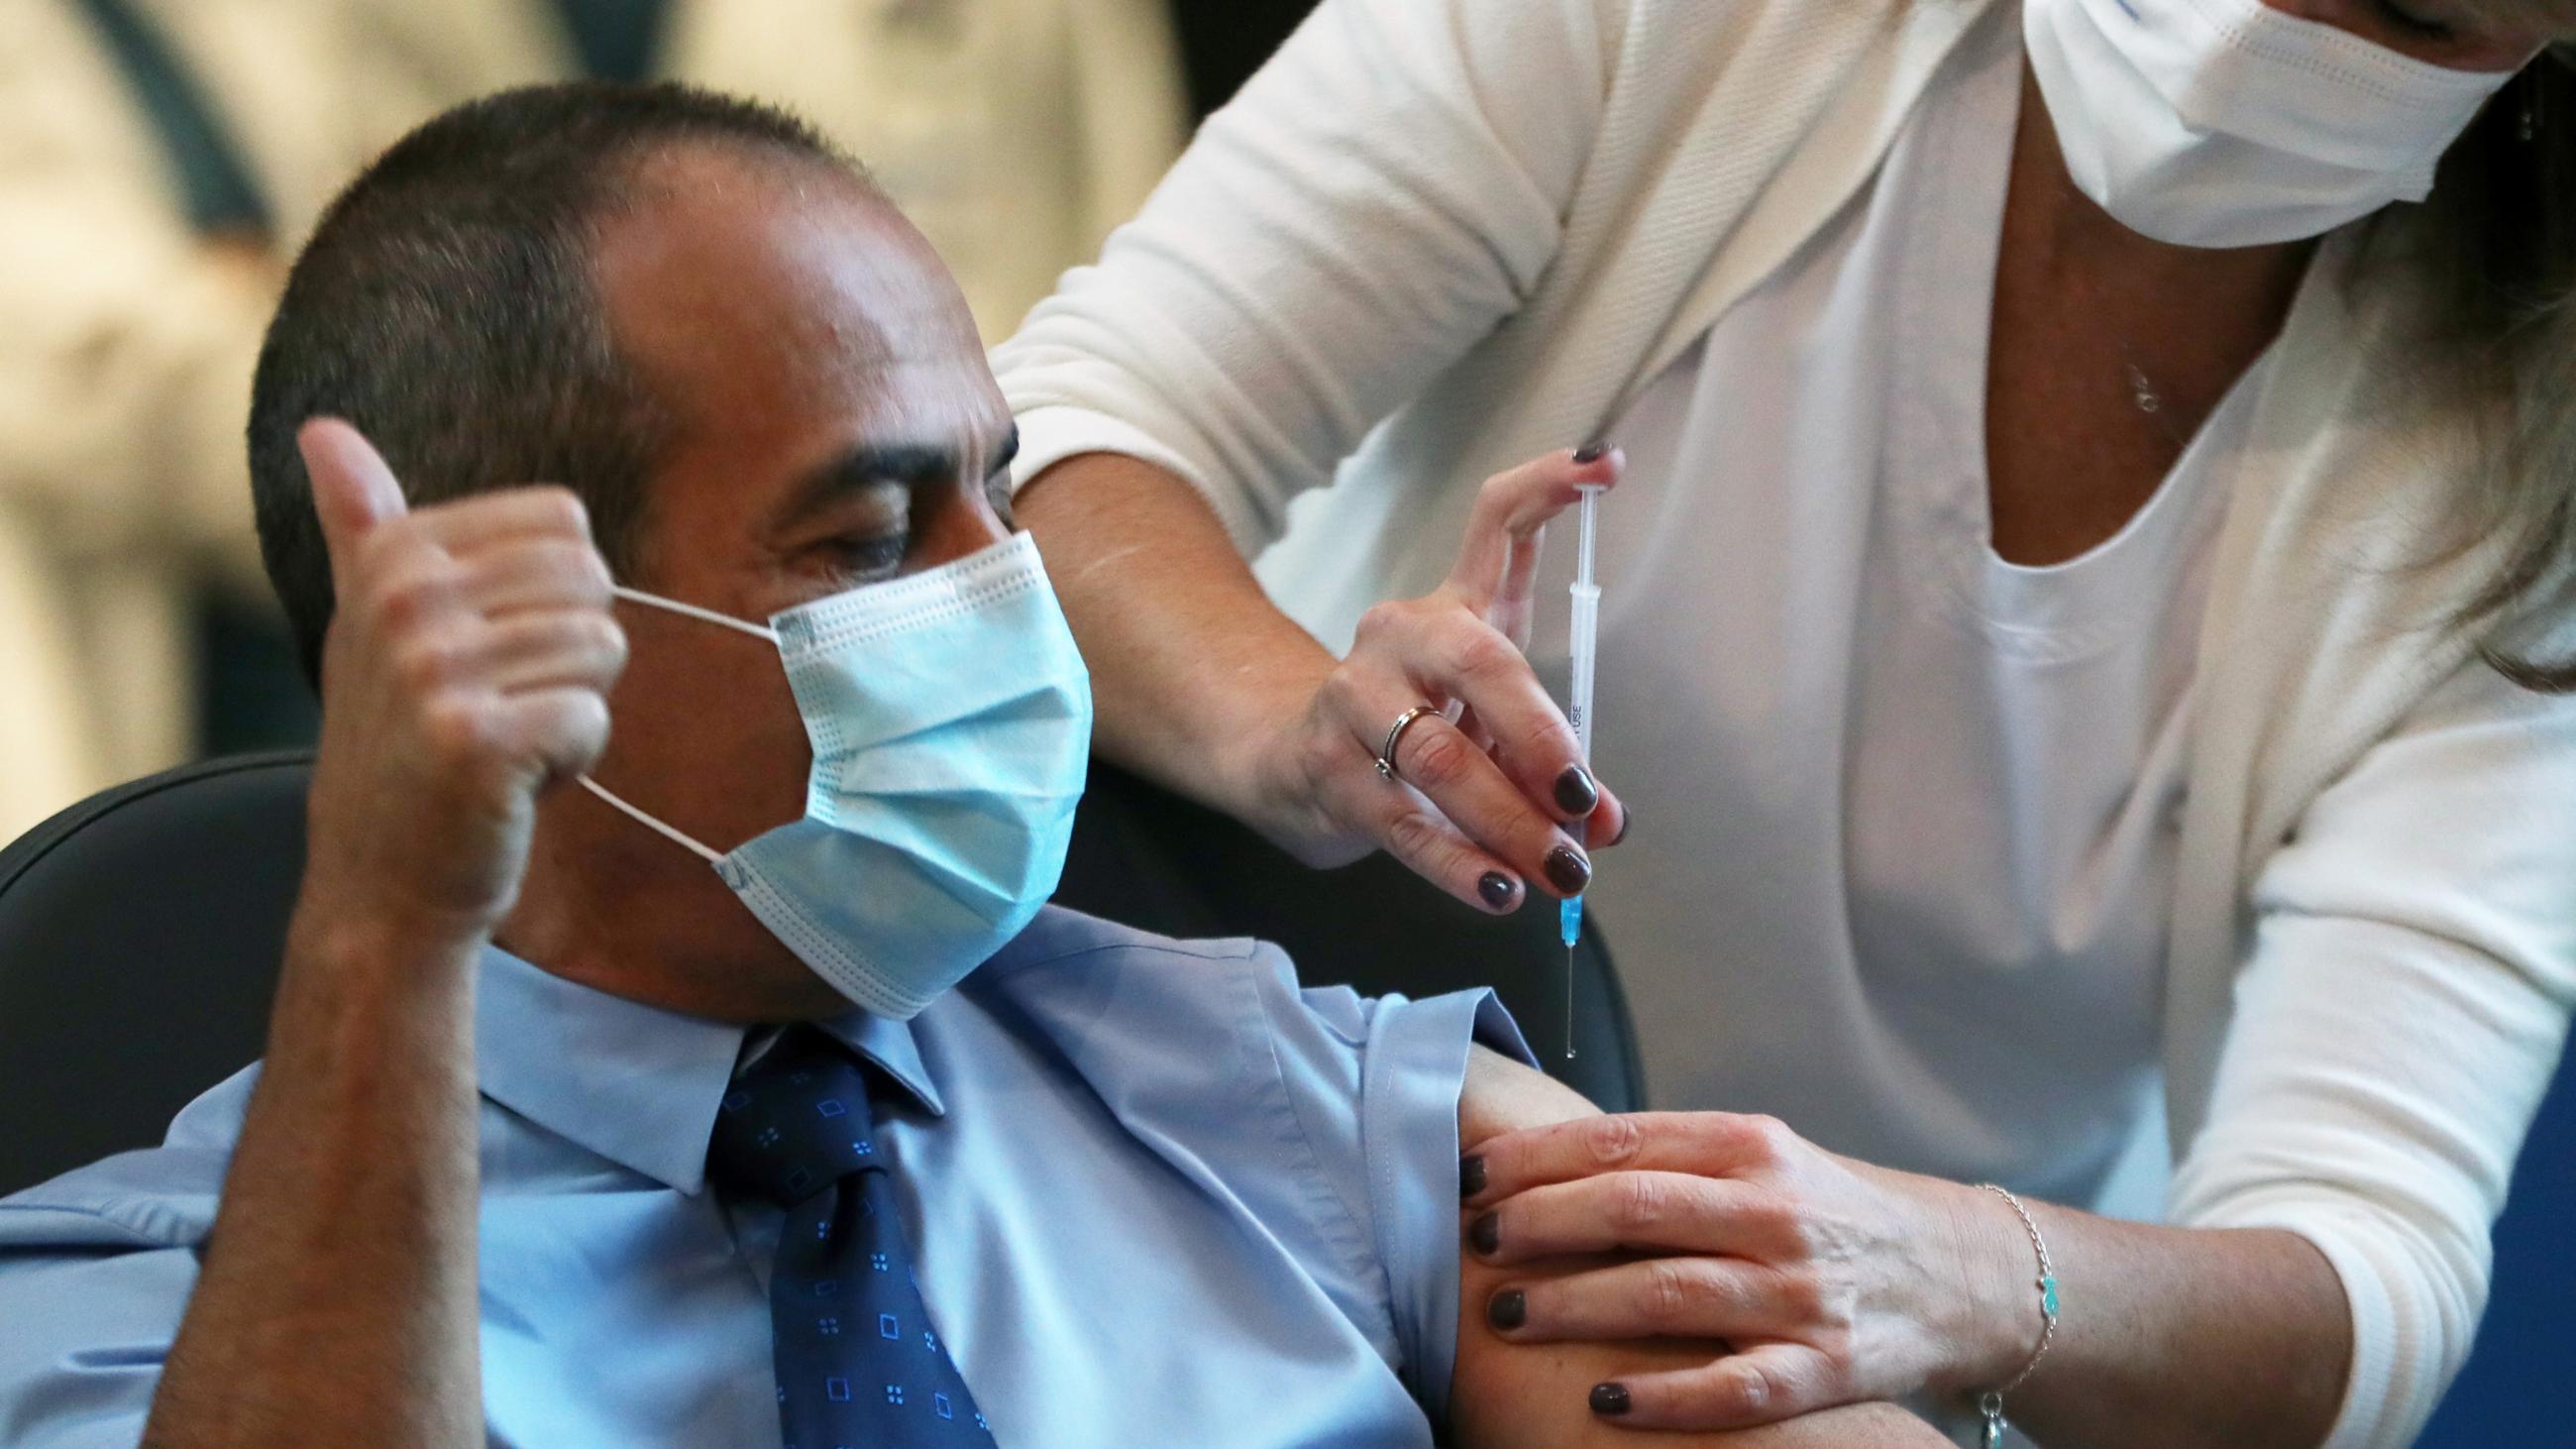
(2143, 392)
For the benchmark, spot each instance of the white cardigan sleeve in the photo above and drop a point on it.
(2405, 1005)
(1385, 192)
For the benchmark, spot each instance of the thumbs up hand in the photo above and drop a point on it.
(467, 667)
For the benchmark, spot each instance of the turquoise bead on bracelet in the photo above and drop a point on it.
(1990, 1404)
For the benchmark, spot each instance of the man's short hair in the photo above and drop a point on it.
(445, 306)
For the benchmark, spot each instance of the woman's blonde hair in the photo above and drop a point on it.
(2497, 240)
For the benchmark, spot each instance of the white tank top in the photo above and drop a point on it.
(1919, 910)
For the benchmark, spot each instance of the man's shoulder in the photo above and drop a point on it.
(159, 1197)
(1330, 1118)
(1100, 990)
(1069, 939)
(1102, 979)
(163, 1196)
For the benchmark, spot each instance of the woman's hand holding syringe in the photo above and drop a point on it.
(1491, 787)
(1203, 685)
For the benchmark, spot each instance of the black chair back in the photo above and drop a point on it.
(1148, 858)
(140, 935)
(141, 931)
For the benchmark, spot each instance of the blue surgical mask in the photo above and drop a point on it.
(950, 716)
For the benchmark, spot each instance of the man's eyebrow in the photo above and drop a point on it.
(877, 465)
(869, 466)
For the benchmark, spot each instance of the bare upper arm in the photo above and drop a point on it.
(1507, 1395)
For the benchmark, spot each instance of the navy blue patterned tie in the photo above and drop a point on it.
(859, 1364)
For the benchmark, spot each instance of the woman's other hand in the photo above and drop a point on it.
(1835, 1282)
(1487, 783)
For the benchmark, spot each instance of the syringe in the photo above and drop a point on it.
(1587, 626)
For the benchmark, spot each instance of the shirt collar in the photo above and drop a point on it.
(890, 1045)
(636, 1084)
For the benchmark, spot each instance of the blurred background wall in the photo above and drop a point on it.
(160, 160)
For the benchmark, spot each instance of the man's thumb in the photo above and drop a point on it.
(353, 490)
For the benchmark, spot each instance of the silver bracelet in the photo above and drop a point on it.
(1991, 1403)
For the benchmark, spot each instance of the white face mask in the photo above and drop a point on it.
(2226, 123)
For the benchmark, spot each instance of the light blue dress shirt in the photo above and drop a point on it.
(1158, 1196)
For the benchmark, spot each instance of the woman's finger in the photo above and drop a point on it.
(1510, 510)
(1464, 785)
(1444, 652)
(1708, 1144)
(1474, 729)
(1402, 821)
(1610, 821)
(1764, 1384)
(1416, 834)
(1672, 1212)
(1471, 792)
(1682, 1297)
(1512, 608)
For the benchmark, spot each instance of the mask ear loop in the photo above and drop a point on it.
(656, 601)
(667, 832)
(692, 611)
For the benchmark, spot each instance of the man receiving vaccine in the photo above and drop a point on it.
(722, 1079)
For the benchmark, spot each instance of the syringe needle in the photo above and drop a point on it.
(1569, 918)
(1569, 1003)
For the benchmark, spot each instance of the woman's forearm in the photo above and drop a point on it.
(1840, 1282)
(1432, 740)
(1190, 661)
(2167, 1335)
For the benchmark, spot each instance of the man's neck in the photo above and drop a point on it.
(610, 908)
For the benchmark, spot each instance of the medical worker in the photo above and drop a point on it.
(2086, 639)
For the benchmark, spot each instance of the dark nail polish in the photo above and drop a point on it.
(1471, 1177)
(1575, 792)
(1610, 1400)
(1568, 871)
(1627, 818)
(1497, 889)
(1507, 1310)
(1589, 453)
(1485, 1234)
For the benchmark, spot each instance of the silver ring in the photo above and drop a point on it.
(1395, 732)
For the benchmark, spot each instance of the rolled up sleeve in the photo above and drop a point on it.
(1375, 1082)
